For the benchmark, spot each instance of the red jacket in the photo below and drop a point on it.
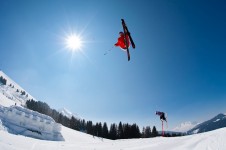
(121, 42)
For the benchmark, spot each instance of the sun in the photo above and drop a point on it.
(73, 42)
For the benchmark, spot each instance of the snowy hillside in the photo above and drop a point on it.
(216, 122)
(12, 93)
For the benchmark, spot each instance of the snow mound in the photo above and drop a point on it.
(19, 120)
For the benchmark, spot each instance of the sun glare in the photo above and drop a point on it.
(73, 42)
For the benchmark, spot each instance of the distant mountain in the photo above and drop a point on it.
(216, 122)
(185, 126)
(67, 113)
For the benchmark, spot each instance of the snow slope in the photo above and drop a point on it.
(12, 91)
(33, 124)
(214, 140)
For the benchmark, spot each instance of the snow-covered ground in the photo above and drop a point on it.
(74, 140)
(16, 119)
(19, 120)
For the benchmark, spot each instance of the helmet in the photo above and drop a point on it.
(121, 32)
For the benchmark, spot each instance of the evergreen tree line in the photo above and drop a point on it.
(120, 131)
(3, 80)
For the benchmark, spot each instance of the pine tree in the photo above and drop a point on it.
(74, 123)
(135, 131)
(99, 129)
(154, 132)
(83, 126)
(120, 131)
(105, 131)
(147, 132)
(89, 127)
(113, 132)
(3, 80)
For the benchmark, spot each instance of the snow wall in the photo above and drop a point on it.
(19, 120)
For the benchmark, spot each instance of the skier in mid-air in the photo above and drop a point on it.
(125, 39)
(162, 115)
(162, 118)
(121, 41)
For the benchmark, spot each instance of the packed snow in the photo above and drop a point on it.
(74, 140)
(19, 120)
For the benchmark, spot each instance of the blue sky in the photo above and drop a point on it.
(178, 65)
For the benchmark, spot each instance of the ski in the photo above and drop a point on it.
(125, 41)
(126, 31)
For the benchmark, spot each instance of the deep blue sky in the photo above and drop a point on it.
(178, 65)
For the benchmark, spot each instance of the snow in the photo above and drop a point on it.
(195, 131)
(10, 81)
(76, 140)
(9, 92)
(4, 100)
(19, 120)
(15, 118)
(216, 120)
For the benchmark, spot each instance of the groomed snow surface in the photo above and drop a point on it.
(74, 140)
